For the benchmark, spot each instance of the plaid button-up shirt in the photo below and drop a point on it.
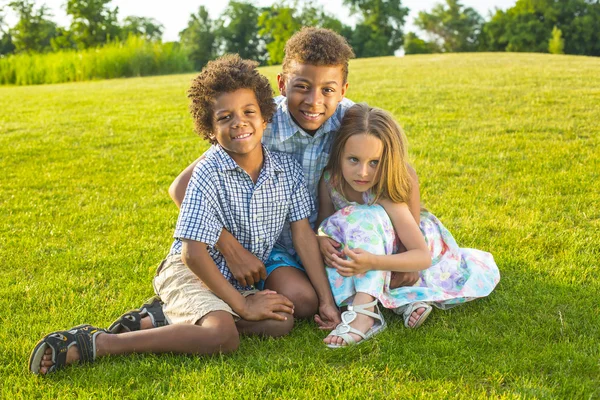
(312, 152)
(220, 195)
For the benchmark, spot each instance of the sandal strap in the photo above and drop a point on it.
(154, 310)
(360, 309)
(59, 343)
(343, 330)
(132, 320)
(85, 338)
(412, 307)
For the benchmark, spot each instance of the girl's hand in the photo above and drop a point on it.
(328, 248)
(359, 262)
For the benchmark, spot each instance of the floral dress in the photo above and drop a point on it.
(456, 275)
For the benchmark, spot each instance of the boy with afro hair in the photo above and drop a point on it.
(239, 187)
(312, 87)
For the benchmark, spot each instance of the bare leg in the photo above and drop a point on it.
(294, 284)
(267, 327)
(362, 322)
(214, 333)
(400, 279)
(146, 323)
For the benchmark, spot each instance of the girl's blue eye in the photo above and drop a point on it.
(374, 163)
(353, 159)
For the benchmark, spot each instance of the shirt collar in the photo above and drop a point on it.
(226, 163)
(290, 128)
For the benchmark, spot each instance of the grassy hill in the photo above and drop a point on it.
(507, 148)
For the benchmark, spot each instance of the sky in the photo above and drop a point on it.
(174, 14)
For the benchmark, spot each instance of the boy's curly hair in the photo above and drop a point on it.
(317, 46)
(225, 75)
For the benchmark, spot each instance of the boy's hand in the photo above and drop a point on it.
(359, 262)
(265, 305)
(245, 266)
(328, 317)
(328, 247)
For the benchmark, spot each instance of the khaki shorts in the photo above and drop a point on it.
(186, 298)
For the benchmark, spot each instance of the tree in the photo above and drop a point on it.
(529, 23)
(6, 44)
(413, 44)
(93, 22)
(276, 25)
(556, 45)
(198, 39)
(452, 26)
(279, 22)
(379, 31)
(63, 40)
(237, 31)
(33, 31)
(148, 28)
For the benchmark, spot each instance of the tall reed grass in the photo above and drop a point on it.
(133, 57)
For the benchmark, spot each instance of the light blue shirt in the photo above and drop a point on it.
(312, 152)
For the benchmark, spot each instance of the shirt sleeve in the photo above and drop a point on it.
(198, 219)
(301, 203)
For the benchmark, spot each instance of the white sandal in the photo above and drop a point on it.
(344, 329)
(406, 311)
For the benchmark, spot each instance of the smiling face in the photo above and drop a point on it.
(313, 93)
(360, 162)
(238, 124)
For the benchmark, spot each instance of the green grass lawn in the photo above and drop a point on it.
(507, 148)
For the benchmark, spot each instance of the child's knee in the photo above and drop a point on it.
(220, 335)
(226, 339)
(275, 328)
(306, 302)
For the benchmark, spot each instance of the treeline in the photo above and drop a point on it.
(260, 33)
(541, 26)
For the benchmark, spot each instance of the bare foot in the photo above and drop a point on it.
(416, 314)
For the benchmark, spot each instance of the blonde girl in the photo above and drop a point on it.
(367, 231)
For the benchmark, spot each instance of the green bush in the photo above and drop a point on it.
(133, 57)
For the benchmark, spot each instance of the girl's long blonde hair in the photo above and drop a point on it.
(392, 173)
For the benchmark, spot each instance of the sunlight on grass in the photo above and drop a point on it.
(507, 151)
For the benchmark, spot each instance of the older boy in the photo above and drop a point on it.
(313, 86)
(237, 182)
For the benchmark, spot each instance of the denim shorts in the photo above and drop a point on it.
(280, 257)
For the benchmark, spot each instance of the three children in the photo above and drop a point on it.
(246, 212)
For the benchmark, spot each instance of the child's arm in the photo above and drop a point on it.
(251, 308)
(414, 202)
(179, 185)
(327, 245)
(415, 258)
(305, 243)
(246, 268)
